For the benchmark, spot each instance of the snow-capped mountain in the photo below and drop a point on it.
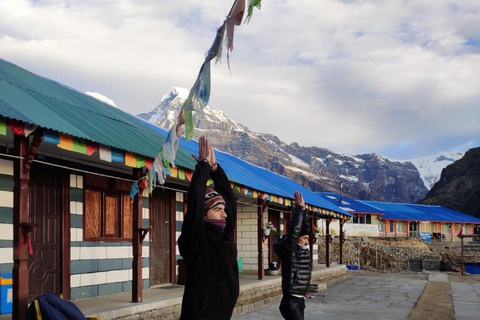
(165, 113)
(430, 168)
(367, 176)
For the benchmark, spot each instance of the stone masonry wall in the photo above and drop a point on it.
(398, 254)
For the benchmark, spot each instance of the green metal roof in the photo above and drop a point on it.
(33, 99)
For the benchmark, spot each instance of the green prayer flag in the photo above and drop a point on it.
(3, 126)
(80, 146)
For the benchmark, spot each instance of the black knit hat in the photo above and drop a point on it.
(213, 199)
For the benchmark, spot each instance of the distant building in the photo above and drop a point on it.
(386, 219)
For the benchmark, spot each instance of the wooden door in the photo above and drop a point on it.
(160, 225)
(45, 265)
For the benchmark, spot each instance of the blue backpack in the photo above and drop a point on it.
(51, 307)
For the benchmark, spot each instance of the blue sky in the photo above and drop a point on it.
(394, 77)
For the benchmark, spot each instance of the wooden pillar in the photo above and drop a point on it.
(386, 226)
(452, 231)
(441, 232)
(395, 226)
(21, 216)
(311, 238)
(341, 241)
(463, 264)
(173, 242)
(327, 242)
(137, 224)
(262, 205)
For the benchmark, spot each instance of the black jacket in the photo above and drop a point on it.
(210, 255)
(296, 272)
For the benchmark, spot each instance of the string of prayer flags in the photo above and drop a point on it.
(251, 5)
(199, 95)
(74, 144)
(21, 128)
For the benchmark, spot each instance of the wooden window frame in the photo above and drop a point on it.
(119, 233)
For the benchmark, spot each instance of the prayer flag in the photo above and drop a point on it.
(173, 172)
(170, 147)
(21, 128)
(251, 4)
(197, 98)
(3, 126)
(181, 173)
(50, 136)
(188, 175)
(111, 154)
(234, 18)
(215, 50)
(133, 160)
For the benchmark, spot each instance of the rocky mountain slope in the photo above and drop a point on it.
(459, 185)
(366, 176)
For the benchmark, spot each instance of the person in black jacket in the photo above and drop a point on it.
(294, 252)
(207, 242)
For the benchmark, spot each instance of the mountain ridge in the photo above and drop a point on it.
(364, 176)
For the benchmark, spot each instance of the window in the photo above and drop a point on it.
(392, 225)
(381, 226)
(368, 219)
(108, 209)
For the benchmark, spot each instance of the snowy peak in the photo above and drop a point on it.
(431, 167)
(167, 110)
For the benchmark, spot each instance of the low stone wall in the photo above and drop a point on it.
(388, 254)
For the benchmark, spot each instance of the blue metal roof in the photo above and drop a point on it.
(418, 212)
(255, 177)
(348, 204)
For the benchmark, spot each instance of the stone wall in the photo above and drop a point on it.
(388, 254)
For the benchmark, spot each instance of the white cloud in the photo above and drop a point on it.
(351, 76)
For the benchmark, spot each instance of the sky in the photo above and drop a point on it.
(396, 78)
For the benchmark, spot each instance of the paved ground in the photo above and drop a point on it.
(370, 296)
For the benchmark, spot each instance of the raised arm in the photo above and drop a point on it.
(222, 186)
(287, 244)
(193, 228)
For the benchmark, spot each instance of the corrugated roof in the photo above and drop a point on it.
(347, 204)
(36, 100)
(417, 212)
(32, 99)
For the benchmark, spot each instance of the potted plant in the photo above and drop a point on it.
(317, 232)
(269, 226)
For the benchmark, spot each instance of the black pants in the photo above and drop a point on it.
(292, 308)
